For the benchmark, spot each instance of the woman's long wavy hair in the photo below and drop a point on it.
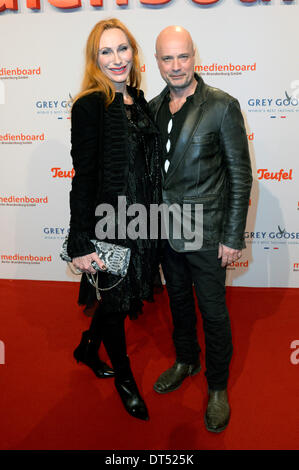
(94, 79)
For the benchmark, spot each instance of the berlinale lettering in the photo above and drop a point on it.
(264, 174)
(69, 4)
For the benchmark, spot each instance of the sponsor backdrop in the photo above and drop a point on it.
(249, 49)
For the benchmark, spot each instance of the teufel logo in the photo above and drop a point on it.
(264, 173)
(59, 173)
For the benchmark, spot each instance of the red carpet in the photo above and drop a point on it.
(47, 401)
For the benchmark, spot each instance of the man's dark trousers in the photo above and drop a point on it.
(203, 268)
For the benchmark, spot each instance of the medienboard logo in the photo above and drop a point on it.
(238, 265)
(19, 73)
(17, 258)
(225, 69)
(23, 201)
(54, 233)
(274, 107)
(21, 139)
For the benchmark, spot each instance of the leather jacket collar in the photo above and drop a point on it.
(199, 96)
(189, 126)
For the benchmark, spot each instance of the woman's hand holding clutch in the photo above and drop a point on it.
(83, 263)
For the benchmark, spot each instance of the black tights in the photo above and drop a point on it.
(110, 328)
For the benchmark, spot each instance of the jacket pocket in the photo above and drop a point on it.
(199, 199)
(205, 139)
(209, 200)
(205, 146)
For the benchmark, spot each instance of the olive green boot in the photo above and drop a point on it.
(173, 378)
(218, 411)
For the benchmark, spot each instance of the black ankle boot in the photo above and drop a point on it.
(87, 352)
(129, 394)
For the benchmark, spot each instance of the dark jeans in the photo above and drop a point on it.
(202, 268)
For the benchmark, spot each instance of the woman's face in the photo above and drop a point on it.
(115, 57)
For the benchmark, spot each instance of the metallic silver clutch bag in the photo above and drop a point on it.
(115, 257)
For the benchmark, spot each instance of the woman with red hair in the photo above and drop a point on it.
(115, 152)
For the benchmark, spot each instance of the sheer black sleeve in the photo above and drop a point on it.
(87, 116)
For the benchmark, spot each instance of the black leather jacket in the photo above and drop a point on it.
(210, 166)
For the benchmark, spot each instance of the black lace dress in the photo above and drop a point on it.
(138, 285)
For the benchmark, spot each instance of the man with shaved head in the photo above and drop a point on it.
(205, 161)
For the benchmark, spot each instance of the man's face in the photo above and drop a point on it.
(175, 57)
